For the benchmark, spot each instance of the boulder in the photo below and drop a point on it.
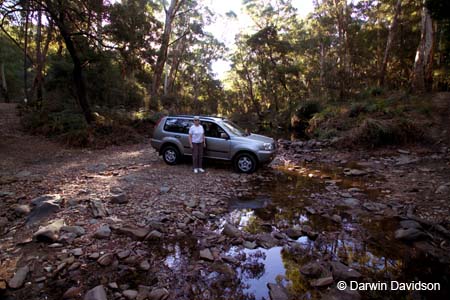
(49, 233)
(231, 231)
(44, 206)
(409, 234)
(277, 292)
(343, 272)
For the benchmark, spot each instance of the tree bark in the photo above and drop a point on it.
(422, 78)
(57, 14)
(390, 39)
(3, 87)
(162, 53)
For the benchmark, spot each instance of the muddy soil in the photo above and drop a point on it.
(132, 227)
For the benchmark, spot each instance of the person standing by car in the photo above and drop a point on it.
(197, 142)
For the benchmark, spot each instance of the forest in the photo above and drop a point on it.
(75, 65)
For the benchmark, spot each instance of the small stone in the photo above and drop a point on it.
(154, 235)
(97, 293)
(22, 210)
(321, 282)
(73, 292)
(164, 189)
(19, 278)
(294, 233)
(312, 269)
(343, 272)
(123, 254)
(410, 224)
(277, 292)
(144, 265)
(119, 198)
(206, 254)
(134, 232)
(409, 234)
(77, 252)
(98, 208)
(77, 230)
(106, 259)
(158, 294)
(249, 245)
(130, 294)
(103, 232)
(113, 285)
(231, 231)
(443, 189)
(351, 202)
(199, 215)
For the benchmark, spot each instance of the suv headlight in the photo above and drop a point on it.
(267, 146)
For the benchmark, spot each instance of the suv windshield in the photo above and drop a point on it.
(234, 128)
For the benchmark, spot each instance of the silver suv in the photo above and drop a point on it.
(224, 141)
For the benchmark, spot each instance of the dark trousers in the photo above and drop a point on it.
(197, 155)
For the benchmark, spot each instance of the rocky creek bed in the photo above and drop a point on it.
(120, 224)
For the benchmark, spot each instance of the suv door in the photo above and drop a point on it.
(216, 145)
(179, 128)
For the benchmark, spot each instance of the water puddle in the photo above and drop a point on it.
(359, 238)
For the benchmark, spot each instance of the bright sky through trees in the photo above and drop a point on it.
(225, 28)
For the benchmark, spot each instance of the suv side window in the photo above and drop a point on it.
(212, 129)
(178, 125)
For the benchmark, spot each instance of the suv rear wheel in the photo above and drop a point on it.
(171, 155)
(245, 163)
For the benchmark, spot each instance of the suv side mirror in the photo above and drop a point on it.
(223, 135)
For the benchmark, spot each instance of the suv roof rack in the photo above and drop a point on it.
(201, 116)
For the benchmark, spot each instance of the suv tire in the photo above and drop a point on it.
(171, 155)
(245, 163)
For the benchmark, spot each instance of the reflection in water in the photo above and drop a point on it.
(363, 243)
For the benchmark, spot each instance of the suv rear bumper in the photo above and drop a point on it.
(156, 144)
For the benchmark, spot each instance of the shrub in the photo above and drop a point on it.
(374, 133)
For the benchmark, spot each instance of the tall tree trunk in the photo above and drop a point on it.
(3, 86)
(390, 39)
(423, 64)
(57, 14)
(162, 53)
(37, 83)
(25, 53)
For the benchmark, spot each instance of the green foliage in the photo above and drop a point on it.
(12, 59)
(375, 133)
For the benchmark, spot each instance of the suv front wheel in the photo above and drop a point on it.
(171, 155)
(245, 163)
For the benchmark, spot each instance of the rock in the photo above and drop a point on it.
(308, 231)
(49, 233)
(154, 235)
(336, 218)
(23, 174)
(409, 234)
(2, 286)
(443, 189)
(199, 215)
(130, 294)
(101, 167)
(374, 206)
(22, 210)
(134, 232)
(116, 190)
(266, 241)
(77, 252)
(144, 265)
(77, 230)
(106, 259)
(123, 254)
(404, 160)
(97, 293)
(164, 189)
(98, 208)
(321, 282)
(103, 232)
(249, 245)
(410, 224)
(44, 206)
(158, 294)
(119, 198)
(343, 272)
(73, 292)
(19, 278)
(351, 202)
(277, 292)
(347, 294)
(206, 254)
(294, 233)
(312, 269)
(231, 231)
(354, 172)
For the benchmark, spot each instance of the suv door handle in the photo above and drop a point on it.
(178, 136)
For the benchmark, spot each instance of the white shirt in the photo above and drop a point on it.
(197, 133)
